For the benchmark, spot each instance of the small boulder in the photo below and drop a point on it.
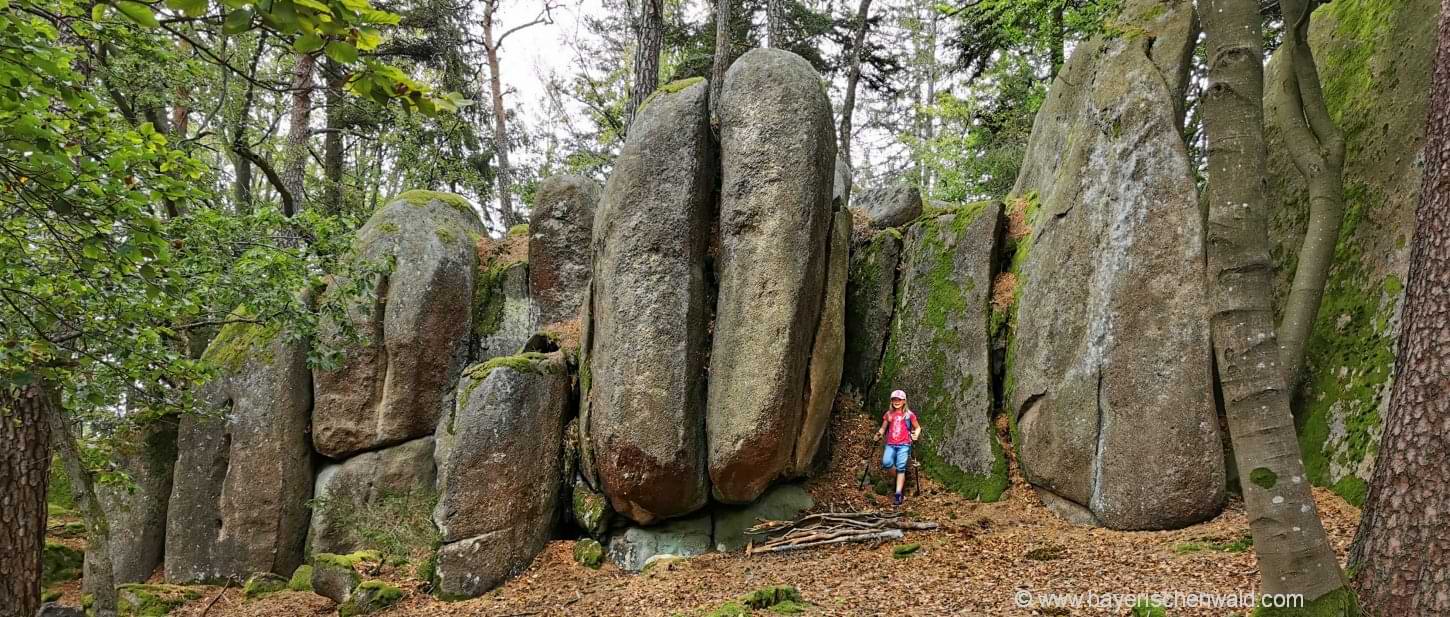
(782, 503)
(685, 537)
(561, 227)
(140, 600)
(364, 487)
(589, 553)
(335, 576)
(52, 609)
(370, 597)
(591, 510)
(301, 578)
(891, 206)
(263, 583)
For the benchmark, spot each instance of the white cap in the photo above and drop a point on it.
(901, 394)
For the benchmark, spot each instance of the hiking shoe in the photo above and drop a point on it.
(896, 501)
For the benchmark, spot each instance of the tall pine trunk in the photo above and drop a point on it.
(853, 78)
(650, 36)
(731, 27)
(775, 23)
(503, 179)
(1294, 555)
(1401, 556)
(332, 151)
(299, 132)
(24, 476)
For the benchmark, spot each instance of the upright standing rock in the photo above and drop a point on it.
(364, 487)
(870, 303)
(891, 206)
(394, 387)
(777, 156)
(243, 476)
(137, 514)
(841, 192)
(644, 371)
(1113, 388)
(939, 351)
(499, 462)
(827, 352)
(561, 228)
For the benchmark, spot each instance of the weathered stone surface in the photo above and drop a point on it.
(685, 537)
(394, 387)
(561, 228)
(345, 491)
(870, 303)
(499, 459)
(335, 576)
(51, 609)
(893, 205)
(823, 377)
(1113, 386)
(142, 600)
(781, 503)
(841, 193)
(1374, 60)
(370, 597)
(591, 510)
(243, 476)
(643, 374)
(939, 352)
(777, 154)
(262, 584)
(503, 310)
(137, 513)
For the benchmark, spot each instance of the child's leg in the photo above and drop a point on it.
(903, 454)
(888, 457)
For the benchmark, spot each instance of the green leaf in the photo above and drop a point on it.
(316, 6)
(368, 39)
(237, 21)
(190, 8)
(98, 12)
(341, 52)
(307, 43)
(139, 13)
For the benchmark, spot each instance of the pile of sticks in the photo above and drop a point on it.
(829, 528)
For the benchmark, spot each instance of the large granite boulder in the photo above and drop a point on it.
(1113, 385)
(244, 471)
(939, 350)
(395, 385)
(369, 487)
(561, 228)
(823, 378)
(643, 372)
(499, 461)
(870, 303)
(503, 311)
(777, 156)
(137, 513)
(893, 205)
(1375, 62)
(682, 537)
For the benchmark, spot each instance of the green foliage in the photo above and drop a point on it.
(60, 563)
(1147, 608)
(262, 584)
(1338, 603)
(141, 600)
(905, 550)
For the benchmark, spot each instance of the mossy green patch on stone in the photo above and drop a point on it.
(59, 563)
(370, 597)
(591, 510)
(669, 88)
(301, 578)
(263, 583)
(141, 600)
(419, 198)
(905, 550)
(239, 341)
(349, 560)
(1338, 603)
(1147, 608)
(489, 297)
(50, 595)
(522, 229)
(1263, 477)
(589, 553)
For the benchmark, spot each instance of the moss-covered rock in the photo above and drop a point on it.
(263, 583)
(870, 303)
(60, 563)
(370, 597)
(139, 600)
(589, 553)
(591, 510)
(335, 576)
(905, 550)
(301, 578)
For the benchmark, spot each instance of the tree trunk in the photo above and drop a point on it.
(731, 28)
(98, 581)
(1317, 147)
(650, 36)
(332, 154)
(1294, 555)
(1059, 34)
(502, 171)
(853, 77)
(1401, 556)
(299, 132)
(775, 23)
(24, 477)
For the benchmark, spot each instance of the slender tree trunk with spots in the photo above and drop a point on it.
(646, 55)
(24, 476)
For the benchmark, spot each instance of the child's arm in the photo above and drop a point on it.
(880, 432)
(915, 428)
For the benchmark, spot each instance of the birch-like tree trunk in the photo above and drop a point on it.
(1317, 147)
(1401, 556)
(1294, 555)
(853, 77)
(648, 40)
(24, 478)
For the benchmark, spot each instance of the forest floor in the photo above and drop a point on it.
(980, 562)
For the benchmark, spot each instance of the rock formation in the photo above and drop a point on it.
(1113, 392)
(870, 302)
(560, 234)
(136, 514)
(503, 312)
(499, 461)
(777, 156)
(244, 472)
(402, 475)
(394, 387)
(643, 370)
(823, 378)
(891, 206)
(938, 348)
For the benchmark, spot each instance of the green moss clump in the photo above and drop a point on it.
(419, 198)
(589, 553)
(669, 88)
(789, 607)
(141, 600)
(489, 298)
(58, 495)
(301, 578)
(729, 609)
(766, 597)
(905, 550)
(445, 234)
(591, 511)
(522, 229)
(1263, 477)
(1044, 553)
(370, 597)
(1338, 603)
(264, 583)
(60, 563)
(239, 341)
(1147, 608)
(349, 560)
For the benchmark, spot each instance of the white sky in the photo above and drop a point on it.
(530, 54)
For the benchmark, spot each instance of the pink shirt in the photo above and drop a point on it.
(898, 427)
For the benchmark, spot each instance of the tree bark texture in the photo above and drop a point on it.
(775, 23)
(853, 77)
(299, 132)
(1294, 555)
(98, 579)
(1401, 555)
(502, 172)
(1317, 147)
(332, 154)
(24, 478)
(732, 25)
(650, 36)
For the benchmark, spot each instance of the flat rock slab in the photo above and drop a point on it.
(1113, 379)
(785, 502)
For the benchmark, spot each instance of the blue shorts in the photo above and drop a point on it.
(895, 456)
